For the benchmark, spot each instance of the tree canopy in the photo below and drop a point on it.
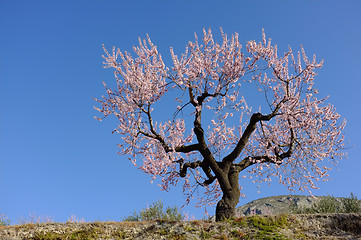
(213, 131)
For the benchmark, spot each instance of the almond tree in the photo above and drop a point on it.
(213, 133)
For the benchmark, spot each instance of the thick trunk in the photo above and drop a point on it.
(226, 207)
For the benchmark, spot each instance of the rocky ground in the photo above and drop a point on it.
(265, 218)
(301, 226)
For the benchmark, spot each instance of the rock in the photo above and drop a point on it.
(276, 205)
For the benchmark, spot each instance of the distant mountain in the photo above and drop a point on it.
(278, 204)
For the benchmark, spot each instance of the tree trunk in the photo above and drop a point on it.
(226, 207)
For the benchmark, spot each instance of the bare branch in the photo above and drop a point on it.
(203, 148)
(248, 161)
(184, 166)
(193, 165)
(155, 134)
(188, 148)
(255, 118)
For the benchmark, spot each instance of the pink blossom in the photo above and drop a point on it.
(294, 141)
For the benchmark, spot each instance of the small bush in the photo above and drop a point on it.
(33, 218)
(351, 204)
(4, 221)
(75, 219)
(327, 204)
(330, 204)
(156, 212)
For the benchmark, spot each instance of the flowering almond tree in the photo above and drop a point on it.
(212, 133)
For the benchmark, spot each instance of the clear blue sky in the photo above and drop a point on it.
(56, 160)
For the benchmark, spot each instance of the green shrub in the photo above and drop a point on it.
(4, 221)
(327, 204)
(156, 212)
(330, 204)
(351, 204)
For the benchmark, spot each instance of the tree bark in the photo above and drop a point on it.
(226, 207)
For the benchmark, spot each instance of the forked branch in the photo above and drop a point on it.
(255, 118)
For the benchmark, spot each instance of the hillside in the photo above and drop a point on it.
(265, 218)
(302, 226)
(277, 204)
(281, 204)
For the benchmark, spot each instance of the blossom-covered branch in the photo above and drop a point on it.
(215, 133)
